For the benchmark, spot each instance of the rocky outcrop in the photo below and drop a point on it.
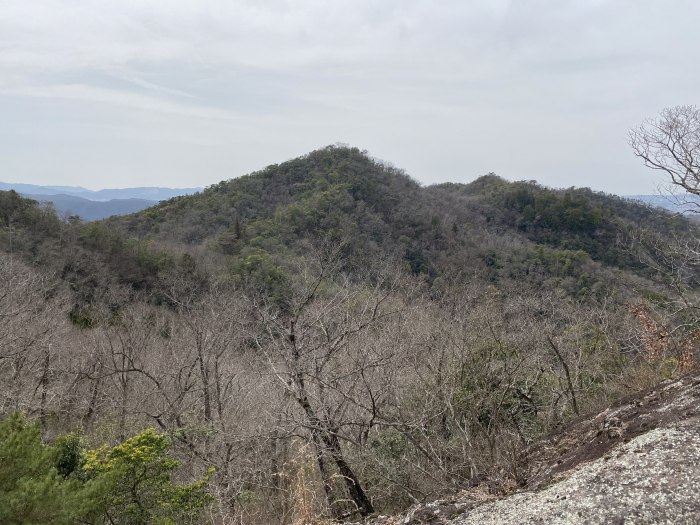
(638, 462)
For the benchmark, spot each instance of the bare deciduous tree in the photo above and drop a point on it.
(29, 323)
(671, 143)
(316, 352)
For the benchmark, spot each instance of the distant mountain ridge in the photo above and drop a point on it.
(93, 205)
(686, 204)
(88, 210)
(146, 192)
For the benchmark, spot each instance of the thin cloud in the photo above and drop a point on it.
(86, 93)
(140, 82)
(536, 89)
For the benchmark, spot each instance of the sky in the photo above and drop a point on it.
(119, 93)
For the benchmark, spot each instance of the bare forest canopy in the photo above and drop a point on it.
(325, 337)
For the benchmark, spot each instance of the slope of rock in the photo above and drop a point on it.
(638, 462)
(653, 478)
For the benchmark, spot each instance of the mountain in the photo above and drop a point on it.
(259, 226)
(89, 210)
(501, 231)
(258, 230)
(41, 190)
(686, 204)
(93, 205)
(143, 193)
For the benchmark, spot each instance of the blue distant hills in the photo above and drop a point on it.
(93, 205)
(685, 204)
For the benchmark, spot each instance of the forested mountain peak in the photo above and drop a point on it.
(497, 229)
(259, 227)
(491, 228)
(334, 176)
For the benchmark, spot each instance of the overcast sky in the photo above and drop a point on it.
(118, 93)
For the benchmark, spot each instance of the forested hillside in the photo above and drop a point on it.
(327, 337)
(489, 229)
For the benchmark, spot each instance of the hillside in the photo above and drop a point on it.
(638, 460)
(490, 229)
(333, 339)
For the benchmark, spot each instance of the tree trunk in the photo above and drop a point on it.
(364, 505)
(325, 475)
(44, 383)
